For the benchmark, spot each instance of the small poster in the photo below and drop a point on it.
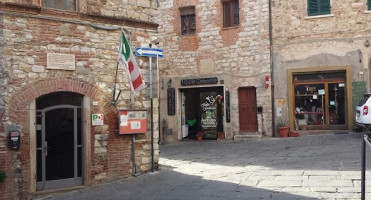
(321, 92)
(97, 119)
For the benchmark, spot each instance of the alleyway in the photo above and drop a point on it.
(308, 167)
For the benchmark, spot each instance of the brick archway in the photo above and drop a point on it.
(19, 102)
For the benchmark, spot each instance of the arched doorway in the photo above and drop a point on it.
(59, 140)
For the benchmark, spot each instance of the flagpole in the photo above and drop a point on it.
(114, 86)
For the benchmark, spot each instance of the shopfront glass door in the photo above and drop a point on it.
(336, 103)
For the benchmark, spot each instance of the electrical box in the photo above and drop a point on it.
(14, 139)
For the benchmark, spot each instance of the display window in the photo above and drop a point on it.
(319, 100)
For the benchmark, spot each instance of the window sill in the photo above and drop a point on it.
(368, 12)
(231, 27)
(320, 16)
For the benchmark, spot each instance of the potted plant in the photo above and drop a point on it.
(221, 135)
(293, 134)
(283, 129)
(199, 135)
(2, 176)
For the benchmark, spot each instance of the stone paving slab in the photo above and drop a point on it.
(308, 167)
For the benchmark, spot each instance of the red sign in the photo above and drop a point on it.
(132, 121)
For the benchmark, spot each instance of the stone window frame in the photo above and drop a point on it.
(231, 13)
(66, 5)
(187, 20)
(319, 7)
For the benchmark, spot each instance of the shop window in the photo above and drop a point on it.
(231, 13)
(318, 7)
(69, 5)
(188, 20)
(320, 104)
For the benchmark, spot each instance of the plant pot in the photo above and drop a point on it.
(283, 131)
(221, 135)
(199, 138)
(293, 134)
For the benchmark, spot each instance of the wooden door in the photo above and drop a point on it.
(247, 109)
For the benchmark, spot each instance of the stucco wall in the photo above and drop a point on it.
(333, 40)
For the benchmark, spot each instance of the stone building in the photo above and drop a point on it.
(57, 66)
(214, 71)
(321, 62)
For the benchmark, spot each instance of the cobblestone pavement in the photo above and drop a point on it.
(308, 167)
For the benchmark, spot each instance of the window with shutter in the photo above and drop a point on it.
(188, 20)
(231, 11)
(368, 4)
(319, 7)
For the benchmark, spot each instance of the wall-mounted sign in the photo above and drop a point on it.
(97, 119)
(60, 61)
(199, 81)
(132, 121)
(227, 107)
(171, 101)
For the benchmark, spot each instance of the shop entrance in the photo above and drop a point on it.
(202, 111)
(59, 140)
(320, 101)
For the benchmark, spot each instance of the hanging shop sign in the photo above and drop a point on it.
(97, 119)
(132, 121)
(199, 81)
(227, 107)
(171, 101)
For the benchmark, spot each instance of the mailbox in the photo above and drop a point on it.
(14, 139)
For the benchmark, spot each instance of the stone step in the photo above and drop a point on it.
(247, 137)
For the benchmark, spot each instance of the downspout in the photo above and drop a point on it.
(272, 67)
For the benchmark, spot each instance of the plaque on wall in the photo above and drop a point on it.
(60, 61)
(171, 101)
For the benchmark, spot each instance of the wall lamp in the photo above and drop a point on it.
(169, 83)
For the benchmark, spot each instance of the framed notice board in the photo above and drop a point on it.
(132, 121)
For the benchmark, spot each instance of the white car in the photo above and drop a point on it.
(363, 112)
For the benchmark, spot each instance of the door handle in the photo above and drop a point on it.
(46, 148)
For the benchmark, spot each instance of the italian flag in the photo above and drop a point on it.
(126, 58)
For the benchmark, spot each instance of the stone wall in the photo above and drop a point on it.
(25, 41)
(143, 10)
(239, 52)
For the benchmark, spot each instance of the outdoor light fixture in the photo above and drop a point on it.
(367, 43)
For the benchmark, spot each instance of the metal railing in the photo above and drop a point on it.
(366, 140)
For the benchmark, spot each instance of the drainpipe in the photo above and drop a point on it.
(271, 67)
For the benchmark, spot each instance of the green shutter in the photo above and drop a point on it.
(312, 7)
(319, 7)
(369, 4)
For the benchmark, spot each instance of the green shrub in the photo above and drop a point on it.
(2, 176)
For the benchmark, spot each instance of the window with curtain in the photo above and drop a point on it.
(318, 7)
(69, 5)
(231, 13)
(188, 20)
